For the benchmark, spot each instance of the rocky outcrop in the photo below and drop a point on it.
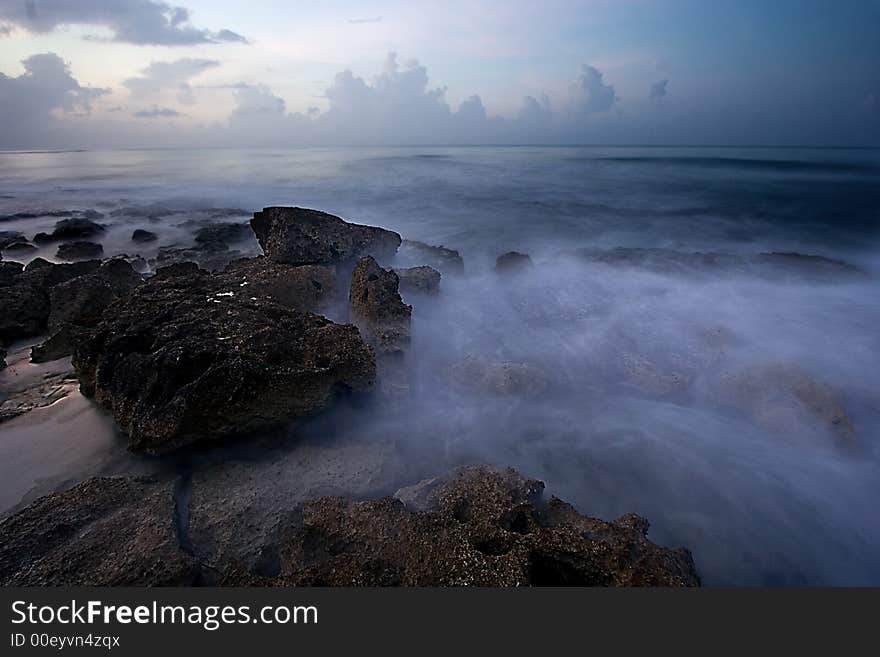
(513, 262)
(143, 236)
(77, 305)
(298, 236)
(20, 248)
(223, 233)
(79, 250)
(413, 253)
(9, 237)
(376, 308)
(103, 532)
(185, 358)
(499, 378)
(478, 526)
(307, 287)
(419, 280)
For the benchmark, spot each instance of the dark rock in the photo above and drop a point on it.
(213, 257)
(9, 237)
(103, 532)
(376, 308)
(43, 239)
(26, 396)
(77, 306)
(499, 378)
(185, 359)
(76, 229)
(2, 357)
(223, 233)
(419, 280)
(142, 236)
(79, 251)
(413, 253)
(298, 236)
(36, 214)
(9, 272)
(513, 261)
(306, 287)
(480, 526)
(20, 249)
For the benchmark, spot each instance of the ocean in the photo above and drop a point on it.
(731, 397)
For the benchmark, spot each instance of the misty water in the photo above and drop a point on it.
(669, 388)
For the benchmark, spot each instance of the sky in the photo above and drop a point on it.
(134, 73)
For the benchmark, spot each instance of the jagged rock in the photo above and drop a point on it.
(223, 233)
(376, 307)
(78, 304)
(513, 261)
(78, 228)
(79, 251)
(419, 280)
(499, 378)
(24, 303)
(413, 253)
(142, 236)
(481, 526)
(298, 236)
(103, 532)
(306, 287)
(185, 359)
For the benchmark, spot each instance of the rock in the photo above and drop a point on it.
(79, 251)
(298, 236)
(649, 378)
(20, 249)
(376, 308)
(78, 228)
(512, 262)
(10, 237)
(9, 272)
(78, 304)
(223, 233)
(2, 357)
(142, 236)
(480, 526)
(36, 214)
(21, 399)
(413, 253)
(213, 257)
(419, 280)
(43, 239)
(103, 532)
(185, 359)
(306, 287)
(25, 303)
(499, 378)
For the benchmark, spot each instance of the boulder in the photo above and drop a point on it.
(419, 280)
(142, 236)
(512, 262)
(413, 253)
(376, 308)
(185, 358)
(479, 526)
(298, 236)
(77, 228)
(499, 378)
(79, 250)
(306, 287)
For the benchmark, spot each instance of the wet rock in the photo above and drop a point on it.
(182, 360)
(376, 308)
(9, 272)
(499, 378)
(48, 390)
(79, 250)
(213, 257)
(512, 262)
(103, 532)
(419, 280)
(480, 526)
(223, 233)
(305, 287)
(143, 236)
(43, 239)
(298, 236)
(413, 253)
(20, 249)
(78, 228)
(77, 306)
(10, 237)
(2, 357)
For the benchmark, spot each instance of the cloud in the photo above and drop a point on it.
(658, 89)
(159, 77)
(589, 93)
(363, 21)
(157, 113)
(5, 30)
(142, 22)
(28, 103)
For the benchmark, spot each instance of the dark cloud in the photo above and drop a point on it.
(590, 94)
(143, 22)
(28, 102)
(157, 113)
(159, 77)
(658, 89)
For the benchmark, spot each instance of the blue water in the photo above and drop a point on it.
(760, 499)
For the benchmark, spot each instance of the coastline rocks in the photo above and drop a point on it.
(185, 359)
(480, 526)
(419, 280)
(376, 308)
(9, 237)
(143, 236)
(298, 236)
(103, 532)
(79, 250)
(307, 287)
(77, 228)
(222, 234)
(513, 262)
(20, 249)
(413, 253)
(499, 378)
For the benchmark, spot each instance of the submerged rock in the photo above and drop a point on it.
(377, 309)
(298, 236)
(142, 236)
(499, 378)
(419, 280)
(413, 253)
(512, 262)
(185, 359)
(79, 251)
